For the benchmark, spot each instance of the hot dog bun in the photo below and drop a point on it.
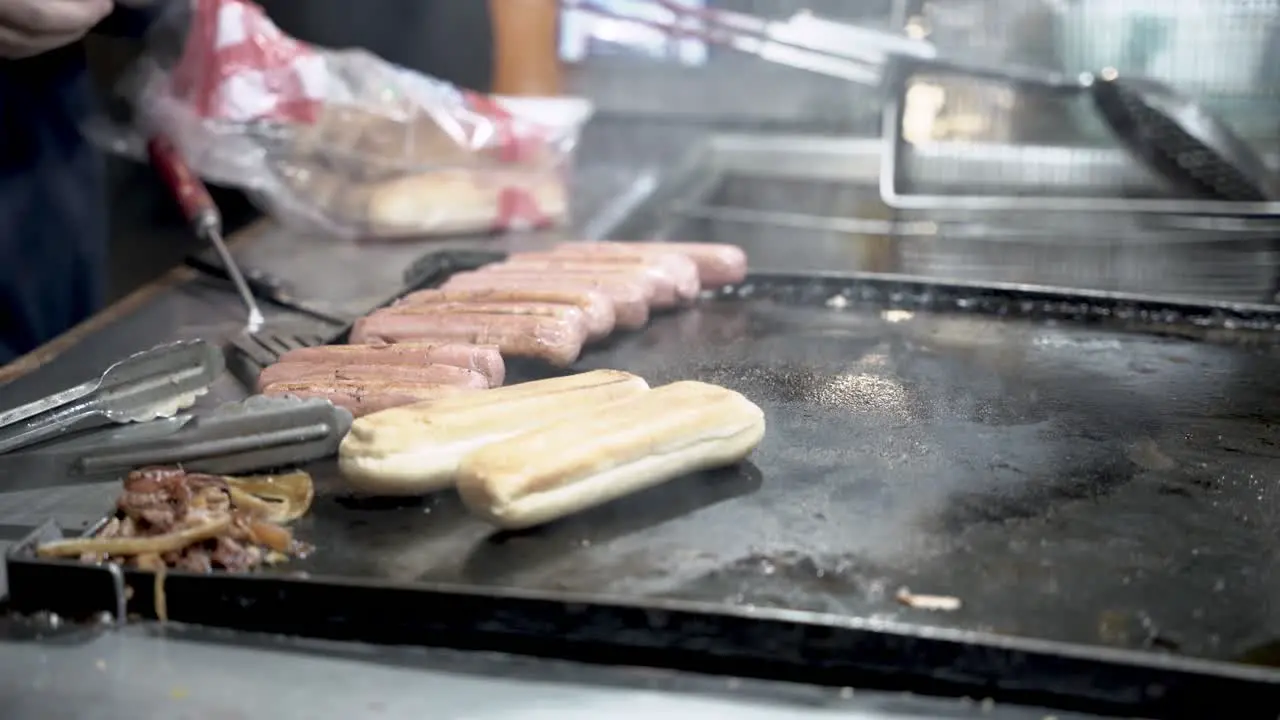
(453, 201)
(607, 451)
(461, 189)
(415, 449)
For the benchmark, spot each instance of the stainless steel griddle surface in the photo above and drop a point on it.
(1064, 477)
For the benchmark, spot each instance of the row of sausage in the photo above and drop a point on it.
(547, 306)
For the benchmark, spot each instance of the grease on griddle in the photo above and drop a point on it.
(801, 385)
(1036, 496)
(796, 581)
(1124, 628)
(793, 323)
(1146, 454)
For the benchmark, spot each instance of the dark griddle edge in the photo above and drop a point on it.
(782, 645)
(769, 644)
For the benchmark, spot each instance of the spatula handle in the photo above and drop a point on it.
(188, 189)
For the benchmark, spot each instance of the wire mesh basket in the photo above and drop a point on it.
(959, 143)
(802, 224)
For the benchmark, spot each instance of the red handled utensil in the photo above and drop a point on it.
(197, 205)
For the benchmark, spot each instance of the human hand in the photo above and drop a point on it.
(32, 27)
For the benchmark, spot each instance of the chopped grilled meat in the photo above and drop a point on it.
(182, 520)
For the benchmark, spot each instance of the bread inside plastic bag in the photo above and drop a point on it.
(344, 141)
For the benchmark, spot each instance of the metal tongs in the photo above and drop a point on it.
(257, 433)
(1173, 135)
(152, 384)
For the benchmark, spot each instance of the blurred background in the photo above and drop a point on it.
(958, 136)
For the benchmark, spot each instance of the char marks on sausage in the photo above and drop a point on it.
(554, 340)
(484, 359)
(568, 313)
(718, 264)
(666, 285)
(597, 306)
(678, 269)
(365, 397)
(326, 372)
(630, 299)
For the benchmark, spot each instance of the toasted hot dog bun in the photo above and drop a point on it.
(604, 452)
(415, 449)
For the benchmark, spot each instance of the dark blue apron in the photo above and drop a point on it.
(53, 215)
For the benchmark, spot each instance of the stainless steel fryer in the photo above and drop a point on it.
(800, 203)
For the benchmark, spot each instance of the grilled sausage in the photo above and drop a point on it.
(718, 264)
(630, 299)
(674, 277)
(365, 396)
(484, 359)
(554, 340)
(601, 317)
(659, 291)
(678, 267)
(568, 313)
(321, 372)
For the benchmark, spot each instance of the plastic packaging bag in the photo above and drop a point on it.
(343, 140)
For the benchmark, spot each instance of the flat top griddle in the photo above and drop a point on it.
(1067, 478)
(1064, 482)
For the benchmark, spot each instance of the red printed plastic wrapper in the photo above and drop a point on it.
(344, 140)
